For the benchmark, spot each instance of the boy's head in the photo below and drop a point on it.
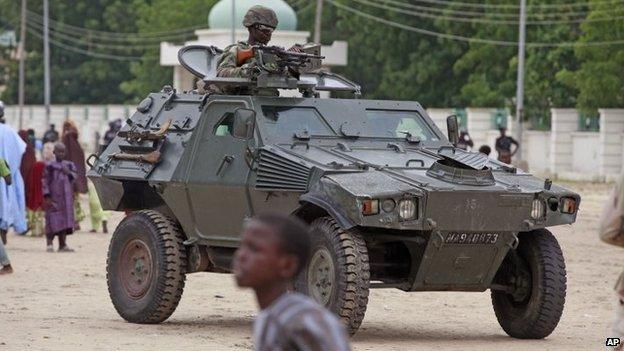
(59, 151)
(274, 249)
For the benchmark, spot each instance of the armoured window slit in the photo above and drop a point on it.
(279, 173)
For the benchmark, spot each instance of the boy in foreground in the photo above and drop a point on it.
(273, 251)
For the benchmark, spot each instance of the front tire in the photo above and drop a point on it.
(337, 275)
(146, 267)
(538, 276)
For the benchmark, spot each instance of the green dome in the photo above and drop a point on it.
(220, 16)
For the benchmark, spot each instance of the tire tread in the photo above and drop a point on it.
(543, 319)
(169, 289)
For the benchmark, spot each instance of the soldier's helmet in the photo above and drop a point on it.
(260, 15)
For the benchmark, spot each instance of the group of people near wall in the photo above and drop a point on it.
(41, 185)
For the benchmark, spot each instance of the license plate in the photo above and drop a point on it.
(471, 238)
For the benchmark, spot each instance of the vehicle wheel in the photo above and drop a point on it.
(536, 277)
(337, 275)
(146, 267)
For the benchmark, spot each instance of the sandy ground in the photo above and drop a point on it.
(57, 301)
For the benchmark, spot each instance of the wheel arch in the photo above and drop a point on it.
(313, 206)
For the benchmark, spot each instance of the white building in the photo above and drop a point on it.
(219, 34)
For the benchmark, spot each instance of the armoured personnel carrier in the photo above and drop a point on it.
(393, 202)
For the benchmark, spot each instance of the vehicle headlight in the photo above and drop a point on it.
(388, 205)
(537, 211)
(407, 209)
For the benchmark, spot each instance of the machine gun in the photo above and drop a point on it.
(276, 59)
(306, 60)
(276, 68)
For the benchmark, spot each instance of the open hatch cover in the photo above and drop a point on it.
(474, 160)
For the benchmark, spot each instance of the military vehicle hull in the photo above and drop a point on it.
(415, 212)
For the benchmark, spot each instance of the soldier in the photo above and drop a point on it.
(238, 59)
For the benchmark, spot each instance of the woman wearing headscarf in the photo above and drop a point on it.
(28, 159)
(32, 173)
(75, 153)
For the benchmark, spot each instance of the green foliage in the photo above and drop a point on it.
(599, 78)
(162, 16)
(75, 78)
(392, 63)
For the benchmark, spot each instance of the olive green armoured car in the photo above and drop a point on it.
(392, 201)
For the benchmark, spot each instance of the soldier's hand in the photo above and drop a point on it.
(296, 48)
(251, 68)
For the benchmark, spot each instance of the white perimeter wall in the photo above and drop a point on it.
(537, 150)
(585, 152)
(89, 119)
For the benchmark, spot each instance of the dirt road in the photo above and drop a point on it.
(57, 301)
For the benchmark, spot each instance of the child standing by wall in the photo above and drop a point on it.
(58, 178)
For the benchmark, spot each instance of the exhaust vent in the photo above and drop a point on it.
(278, 173)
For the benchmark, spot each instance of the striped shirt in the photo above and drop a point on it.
(296, 322)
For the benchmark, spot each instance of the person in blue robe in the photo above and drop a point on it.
(12, 198)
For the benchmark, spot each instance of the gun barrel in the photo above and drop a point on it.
(279, 51)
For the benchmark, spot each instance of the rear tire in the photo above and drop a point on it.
(535, 313)
(337, 275)
(146, 267)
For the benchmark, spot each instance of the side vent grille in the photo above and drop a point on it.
(276, 172)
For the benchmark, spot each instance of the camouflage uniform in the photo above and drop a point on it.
(227, 66)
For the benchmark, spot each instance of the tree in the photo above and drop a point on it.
(389, 62)
(493, 69)
(599, 78)
(75, 77)
(162, 16)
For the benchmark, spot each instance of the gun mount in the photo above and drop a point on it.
(277, 69)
